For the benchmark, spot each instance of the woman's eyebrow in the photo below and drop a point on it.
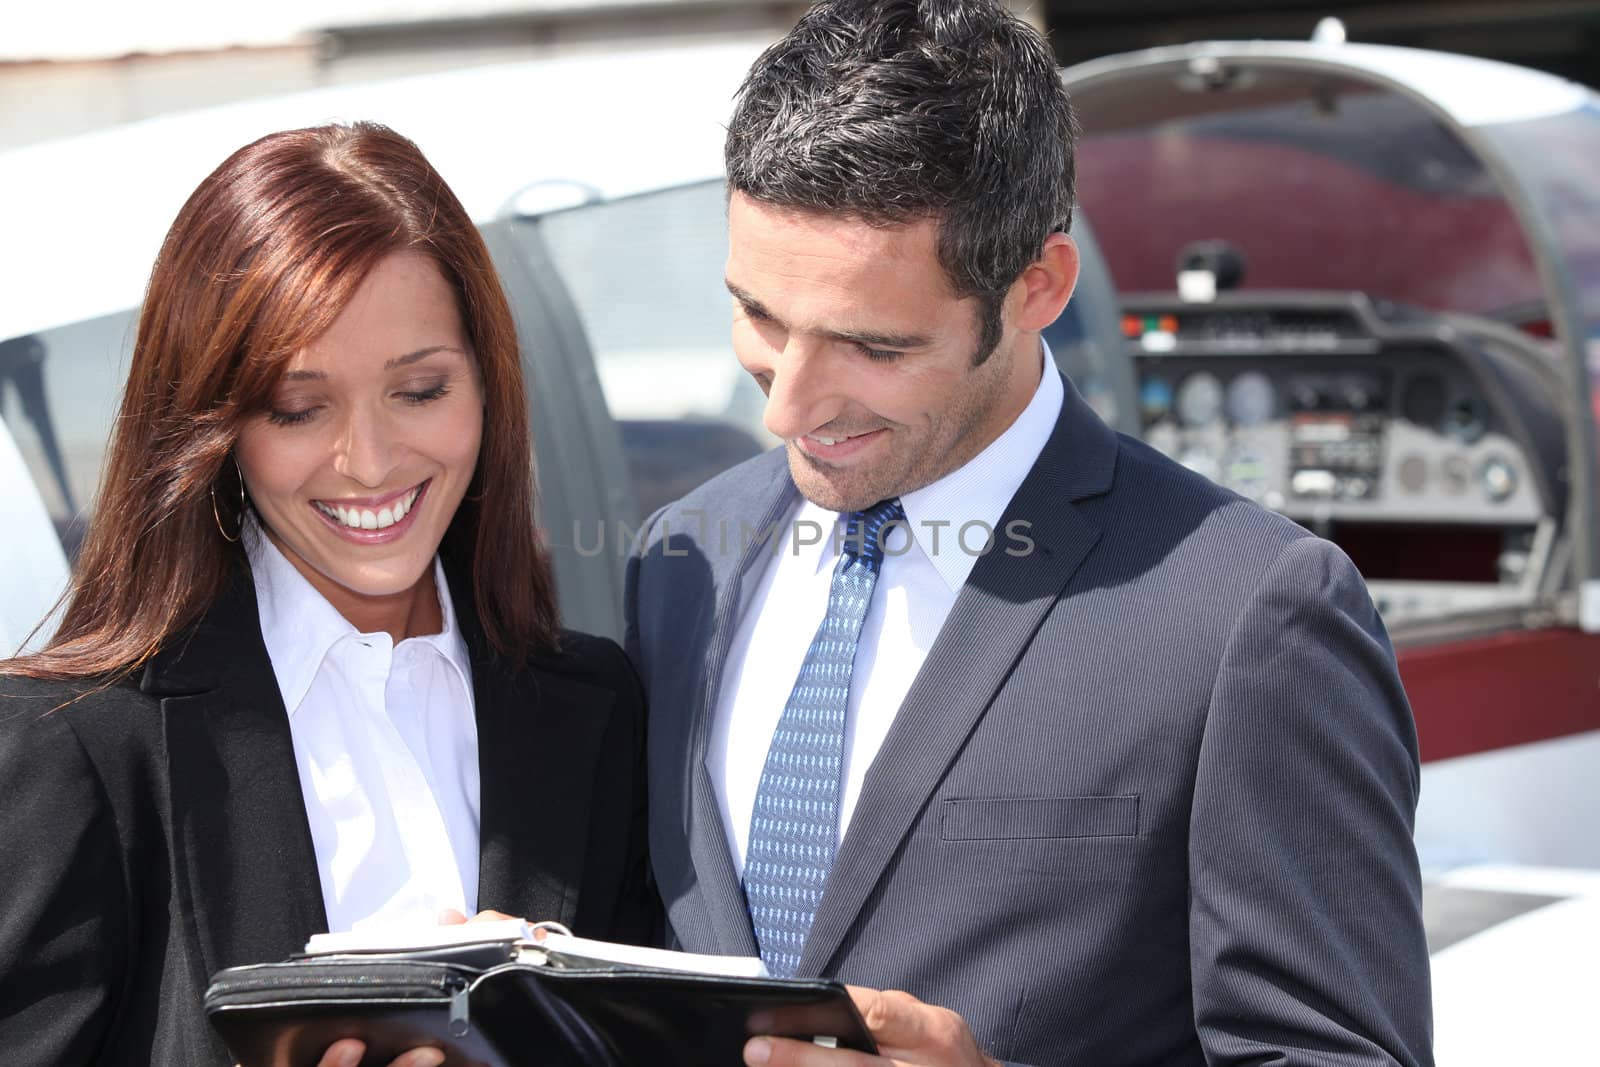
(398, 361)
(421, 353)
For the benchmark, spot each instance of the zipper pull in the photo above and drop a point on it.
(460, 1023)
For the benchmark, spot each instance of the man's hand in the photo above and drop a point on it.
(908, 1032)
(348, 1053)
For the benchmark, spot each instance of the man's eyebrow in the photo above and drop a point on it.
(865, 338)
(751, 304)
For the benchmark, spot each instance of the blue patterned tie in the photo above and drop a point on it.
(794, 826)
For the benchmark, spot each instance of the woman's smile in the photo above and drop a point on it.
(382, 515)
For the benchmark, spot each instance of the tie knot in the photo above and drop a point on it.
(864, 531)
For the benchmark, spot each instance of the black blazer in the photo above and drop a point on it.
(153, 833)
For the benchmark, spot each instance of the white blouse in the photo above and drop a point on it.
(386, 744)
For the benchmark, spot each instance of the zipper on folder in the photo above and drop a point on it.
(460, 1022)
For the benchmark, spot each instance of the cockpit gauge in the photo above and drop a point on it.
(1165, 438)
(1497, 478)
(1245, 472)
(1250, 399)
(1422, 400)
(1305, 394)
(1200, 400)
(1358, 394)
(1155, 399)
(1465, 420)
(1414, 473)
(1203, 461)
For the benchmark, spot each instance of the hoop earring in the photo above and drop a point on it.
(215, 514)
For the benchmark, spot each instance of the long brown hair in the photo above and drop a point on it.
(263, 257)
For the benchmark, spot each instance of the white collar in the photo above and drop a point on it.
(299, 626)
(978, 491)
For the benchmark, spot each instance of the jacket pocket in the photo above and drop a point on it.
(1020, 818)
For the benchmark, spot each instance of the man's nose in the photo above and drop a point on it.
(365, 452)
(805, 389)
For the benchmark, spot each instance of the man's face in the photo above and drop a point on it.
(865, 353)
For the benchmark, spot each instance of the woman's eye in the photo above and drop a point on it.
(290, 418)
(423, 396)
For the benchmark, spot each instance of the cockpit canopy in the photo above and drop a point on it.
(1431, 195)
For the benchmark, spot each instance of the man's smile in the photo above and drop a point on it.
(834, 447)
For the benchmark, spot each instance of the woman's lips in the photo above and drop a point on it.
(365, 524)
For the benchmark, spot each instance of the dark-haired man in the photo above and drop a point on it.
(964, 695)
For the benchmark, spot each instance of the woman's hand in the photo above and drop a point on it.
(452, 917)
(348, 1053)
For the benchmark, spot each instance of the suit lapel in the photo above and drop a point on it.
(727, 914)
(539, 739)
(991, 624)
(244, 865)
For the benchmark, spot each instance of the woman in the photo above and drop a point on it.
(309, 675)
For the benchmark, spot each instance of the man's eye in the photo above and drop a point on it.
(882, 355)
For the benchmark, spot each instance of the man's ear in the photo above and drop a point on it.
(1045, 286)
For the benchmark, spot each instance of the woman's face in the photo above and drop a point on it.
(371, 438)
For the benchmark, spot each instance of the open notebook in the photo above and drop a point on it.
(507, 993)
(533, 943)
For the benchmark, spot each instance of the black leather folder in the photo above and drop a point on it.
(485, 1011)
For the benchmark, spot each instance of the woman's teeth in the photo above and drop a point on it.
(365, 518)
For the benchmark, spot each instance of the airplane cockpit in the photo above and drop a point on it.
(1360, 285)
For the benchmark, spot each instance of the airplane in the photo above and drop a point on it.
(1360, 285)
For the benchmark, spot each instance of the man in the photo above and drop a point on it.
(1130, 781)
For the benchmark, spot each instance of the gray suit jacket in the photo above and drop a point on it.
(1148, 802)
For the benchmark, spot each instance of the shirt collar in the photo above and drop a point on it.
(299, 626)
(976, 492)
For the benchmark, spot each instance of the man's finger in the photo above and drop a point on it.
(901, 1021)
(786, 1052)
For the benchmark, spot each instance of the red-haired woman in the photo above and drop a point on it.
(309, 676)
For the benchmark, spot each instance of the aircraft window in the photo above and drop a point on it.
(645, 274)
(1319, 184)
(58, 394)
(1560, 156)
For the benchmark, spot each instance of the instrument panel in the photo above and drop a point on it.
(1334, 426)
(1427, 448)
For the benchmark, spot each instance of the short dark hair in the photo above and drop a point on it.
(896, 110)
